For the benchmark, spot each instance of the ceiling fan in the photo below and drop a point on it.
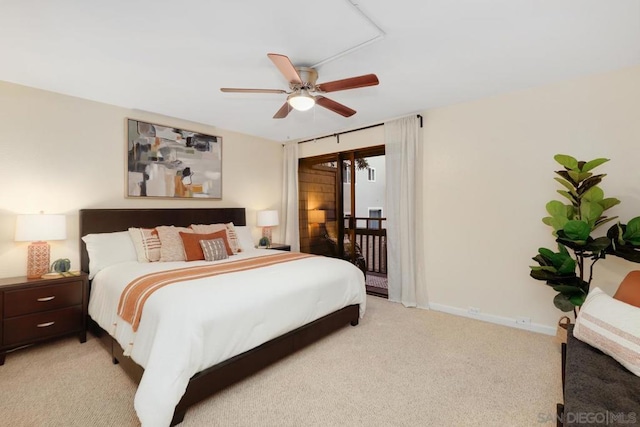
(302, 84)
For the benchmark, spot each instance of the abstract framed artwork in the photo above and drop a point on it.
(168, 162)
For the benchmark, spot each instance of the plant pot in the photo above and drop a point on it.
(561, 331)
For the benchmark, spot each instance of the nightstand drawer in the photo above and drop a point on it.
(42, 298)
(42, 325)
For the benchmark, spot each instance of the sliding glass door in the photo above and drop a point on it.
(342, 206)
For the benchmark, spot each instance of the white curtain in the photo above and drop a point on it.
(405, 252)
(289, 211)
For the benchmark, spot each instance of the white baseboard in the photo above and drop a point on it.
(506, 321)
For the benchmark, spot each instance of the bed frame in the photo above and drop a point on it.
(214, 379)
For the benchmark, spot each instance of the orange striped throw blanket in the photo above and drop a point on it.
(138, 291)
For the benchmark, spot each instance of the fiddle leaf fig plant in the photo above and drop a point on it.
(573, 224)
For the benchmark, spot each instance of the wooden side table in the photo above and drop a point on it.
(34, 310)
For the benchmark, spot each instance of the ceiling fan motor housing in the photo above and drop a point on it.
(308, 77)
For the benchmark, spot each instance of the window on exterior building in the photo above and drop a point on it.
(346, 174)
(374, 213)
(371, 174)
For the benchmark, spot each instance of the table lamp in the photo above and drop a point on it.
(37, 229)
(266, 220)
(317, 216)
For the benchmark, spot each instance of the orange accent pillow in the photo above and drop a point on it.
(629, 289)
(191, 242)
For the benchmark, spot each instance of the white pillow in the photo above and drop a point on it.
(245, 238)
(107, 249)
(611, 326)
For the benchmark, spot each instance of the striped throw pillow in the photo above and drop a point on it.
(147, 244)
(611, 326)
(214, 249)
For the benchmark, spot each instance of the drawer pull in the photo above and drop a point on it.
(45, 299)
(44, 325)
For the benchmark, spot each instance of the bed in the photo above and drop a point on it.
(250, 350)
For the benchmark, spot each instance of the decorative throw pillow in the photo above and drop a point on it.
(207, 228)
(233, 238)
(147, 243)
(611, 326)
(211, 228)
(171, 248)
(245, 238)
(107, 249)
(629, 289)
(214, 249)
(192, 248)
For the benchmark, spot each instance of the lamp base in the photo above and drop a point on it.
(37, 259)
(266, 233)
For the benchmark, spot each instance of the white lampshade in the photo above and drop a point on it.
(40, 227)
(301, 101)
(267, 218)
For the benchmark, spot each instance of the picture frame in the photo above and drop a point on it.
(168, 162)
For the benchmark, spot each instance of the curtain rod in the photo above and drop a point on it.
(337, 135)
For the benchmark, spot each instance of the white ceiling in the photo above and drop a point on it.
(171, 57)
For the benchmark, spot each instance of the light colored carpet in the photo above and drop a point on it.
(399, 367)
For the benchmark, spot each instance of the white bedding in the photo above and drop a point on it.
(227, 315)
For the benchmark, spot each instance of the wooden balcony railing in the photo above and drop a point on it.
(372, 240)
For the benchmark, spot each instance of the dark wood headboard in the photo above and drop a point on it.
(109, 220)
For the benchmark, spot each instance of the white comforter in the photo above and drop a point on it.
(190, 326)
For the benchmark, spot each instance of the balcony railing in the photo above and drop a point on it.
(372, 240)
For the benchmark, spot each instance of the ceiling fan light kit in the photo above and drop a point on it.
(302, 83)
(301, 100)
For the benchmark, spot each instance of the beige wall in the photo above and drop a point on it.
(488, 168)
(489, 173)
(61, 154)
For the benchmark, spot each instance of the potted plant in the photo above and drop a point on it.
(569, 271)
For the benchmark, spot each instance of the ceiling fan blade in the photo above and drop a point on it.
(350, 83)
(286, 67)
(334, 106)
(239, 90)
(283, 111)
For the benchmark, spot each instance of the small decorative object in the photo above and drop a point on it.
(36, 229)
(169, 162)
(60, 266)
(264, 242)
(573, 225)
(266, 219)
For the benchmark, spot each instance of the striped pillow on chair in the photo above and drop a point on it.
(611, 326)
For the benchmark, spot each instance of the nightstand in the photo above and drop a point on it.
(34, 310)
(280, 247)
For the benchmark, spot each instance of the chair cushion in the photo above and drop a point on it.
(596, 385)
